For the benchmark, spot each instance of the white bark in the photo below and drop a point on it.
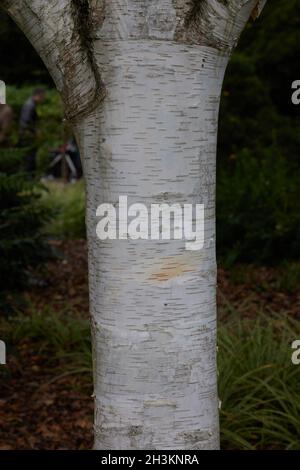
(153, 138)
(153, 302)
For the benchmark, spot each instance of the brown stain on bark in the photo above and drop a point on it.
(171, 269)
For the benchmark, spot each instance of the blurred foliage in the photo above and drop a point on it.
(258, 384)
(274, 44)
(52, 131)
(19, 62)
(67, 201)
(258, 209)
(259, 140)
(22, 217)
(60, 338)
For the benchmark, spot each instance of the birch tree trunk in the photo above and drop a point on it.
(141, 82)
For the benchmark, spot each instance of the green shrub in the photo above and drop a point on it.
(258, 209)
(259, 139)
(247, 115)
(22, 218)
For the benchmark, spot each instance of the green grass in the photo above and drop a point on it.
(61, 339)
(258, 385)
(68, 202)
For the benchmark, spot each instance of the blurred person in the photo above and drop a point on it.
(73, 151)
(28, 127)
(66, 162)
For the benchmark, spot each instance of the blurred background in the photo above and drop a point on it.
(46, 387)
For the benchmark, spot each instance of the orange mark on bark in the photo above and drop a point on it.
(170, 271)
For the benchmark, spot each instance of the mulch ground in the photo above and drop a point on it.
(65, 278)
(39, 413)
(258, 291)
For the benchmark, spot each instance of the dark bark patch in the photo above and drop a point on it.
(86, 20)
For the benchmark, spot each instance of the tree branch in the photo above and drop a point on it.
(61, 32)
(217, 23)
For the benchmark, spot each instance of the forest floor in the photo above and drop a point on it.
(43, 408)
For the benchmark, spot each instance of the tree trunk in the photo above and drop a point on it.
(152, 139)
(152, 301)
